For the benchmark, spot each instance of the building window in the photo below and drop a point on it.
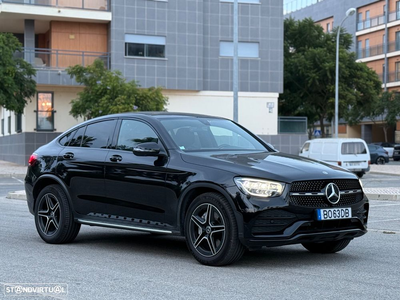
(397, 40)
(328, 27)
(360, 24)
(45, 112)
(359, 49)
(397, 71)
(398, 10)
(367, 20)
(367, 48)
(144, 46)
(9, 124)
(245, 49)
(2, 126)
(18, 123)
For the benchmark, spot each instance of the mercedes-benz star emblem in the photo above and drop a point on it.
(332, 193)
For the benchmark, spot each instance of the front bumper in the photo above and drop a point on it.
(287, 224)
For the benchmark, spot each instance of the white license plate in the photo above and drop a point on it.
(334, 213)
(353, 164)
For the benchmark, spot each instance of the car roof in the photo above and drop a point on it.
(163, 114)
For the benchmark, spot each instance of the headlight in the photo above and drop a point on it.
(260, 188)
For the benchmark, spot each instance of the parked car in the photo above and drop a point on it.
(349, 153)
(389, 147)
(396, 153)
(378, 154)
(205, 178)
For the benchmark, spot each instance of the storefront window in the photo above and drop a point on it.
(45, 113)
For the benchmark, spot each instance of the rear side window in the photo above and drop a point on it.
(77, 137)
(66, 139)
(354, 148)
(98, 135)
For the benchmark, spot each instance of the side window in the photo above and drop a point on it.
(132, 133)
(77, 138)
(99, 135)
(66, 139)
(305, 148)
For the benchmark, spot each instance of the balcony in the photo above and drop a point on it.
(79, 4)
(378, 50)
(392, 77)
(61, 10)
(51, 59)
(378, 20)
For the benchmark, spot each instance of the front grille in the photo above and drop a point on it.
(320, 201)
(319, 185)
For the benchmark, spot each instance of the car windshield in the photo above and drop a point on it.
(208, 134)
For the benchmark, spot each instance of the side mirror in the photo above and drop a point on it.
(147, 149)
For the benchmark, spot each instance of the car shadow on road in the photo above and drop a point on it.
(130, 242)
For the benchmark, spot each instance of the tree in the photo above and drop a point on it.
(107, 92)
(386, 110)
(16, 75)
(309, 77)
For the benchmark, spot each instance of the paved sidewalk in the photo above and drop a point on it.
(8, 169)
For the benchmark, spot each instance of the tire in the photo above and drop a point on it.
(327, 247)
(211, 231)
(53, 216)
(396, 159)
(380, 160)
(360, 174)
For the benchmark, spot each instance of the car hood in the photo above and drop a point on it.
(269, 165)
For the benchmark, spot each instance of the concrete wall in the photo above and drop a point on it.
(253, 111)
(17, 148)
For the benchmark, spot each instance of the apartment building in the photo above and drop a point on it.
(184, 46)
(375, 25)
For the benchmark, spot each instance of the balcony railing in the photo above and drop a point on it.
(60, 59)
(80, 4)
(378, 50)
(378, 20)
(392, 76)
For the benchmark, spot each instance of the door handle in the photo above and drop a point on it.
(116, 158)
(68, 155)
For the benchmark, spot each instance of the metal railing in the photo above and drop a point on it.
(392, 76)
(80, 4)
(378, 20)
(378, 50)
(54, 59)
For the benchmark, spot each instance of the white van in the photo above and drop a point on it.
(351, 154)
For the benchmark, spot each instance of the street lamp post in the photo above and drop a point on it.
(349, 13)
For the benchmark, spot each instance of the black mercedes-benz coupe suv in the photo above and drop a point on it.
(202, 177)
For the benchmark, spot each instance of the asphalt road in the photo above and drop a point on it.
(10, 184)
(116, 264)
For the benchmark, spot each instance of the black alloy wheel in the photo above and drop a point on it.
(380, 160)
(211, 231)
(53, 217)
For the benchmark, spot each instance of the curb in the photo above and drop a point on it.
(383, 197)
(18, 195)
(383, 173)
(19, 176)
